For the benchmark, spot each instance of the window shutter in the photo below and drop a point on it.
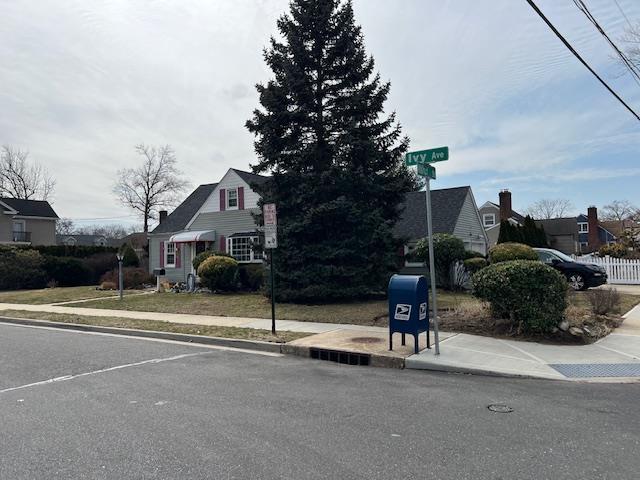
(161, 254)
(178, 255)
(222, 247)
(223, 199)
(240, 198)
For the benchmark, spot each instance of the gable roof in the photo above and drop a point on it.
(30, 208)
(446, 205)
(604, 225)
(515, 215)
(250, 177)
(559, 226)
(186, 210)
(81, 239)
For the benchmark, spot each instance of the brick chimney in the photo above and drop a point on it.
(592, 236)
(505, 205)
(163, 215)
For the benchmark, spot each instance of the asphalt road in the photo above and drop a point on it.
(130, 408)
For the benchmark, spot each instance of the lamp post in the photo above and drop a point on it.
(120, 257)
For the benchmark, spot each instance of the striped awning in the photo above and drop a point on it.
(194, 236)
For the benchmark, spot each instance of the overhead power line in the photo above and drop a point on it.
(635, 73)
(577, 55)
(623, 14)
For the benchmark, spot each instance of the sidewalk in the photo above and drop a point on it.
(614, 358)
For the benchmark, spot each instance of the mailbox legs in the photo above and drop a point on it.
(404, 342)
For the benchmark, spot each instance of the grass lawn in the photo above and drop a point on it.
(253, 305)
(210, 331)
(55, 295)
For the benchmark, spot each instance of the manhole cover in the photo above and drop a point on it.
(499, 408)
(367, 340)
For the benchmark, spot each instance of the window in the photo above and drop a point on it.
(546, 257)
(241, 248)
(489, 219)
(232, 198)
(583, 227)
(170, 255)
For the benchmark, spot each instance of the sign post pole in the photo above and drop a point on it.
(432, 269)
(271, 243)
(273, 297)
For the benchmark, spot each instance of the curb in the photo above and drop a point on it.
(474, 371)
(131, 332)
(381, 361)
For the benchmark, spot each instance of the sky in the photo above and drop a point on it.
(82, 82)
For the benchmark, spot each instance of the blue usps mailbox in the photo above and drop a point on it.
(408, 307)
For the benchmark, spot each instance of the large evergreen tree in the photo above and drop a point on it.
(335, 159)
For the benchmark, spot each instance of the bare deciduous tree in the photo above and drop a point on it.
(631, 41)
(65, 226)
(549, 208)
(20, 178)
(154, 185)
(619, 210)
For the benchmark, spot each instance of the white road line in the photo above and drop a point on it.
(104, 370)
(148, 339)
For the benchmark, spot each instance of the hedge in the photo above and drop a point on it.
(505, 252)
(76, 251)
(529, 293)
(21, 268)
(67, 271)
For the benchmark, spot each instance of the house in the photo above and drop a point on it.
(27, 222)
(82, 240)
(492, 214)
(569, 235)
(454, 211)
(216, 216)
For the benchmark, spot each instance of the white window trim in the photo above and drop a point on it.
(23, 222)
(252, 253)
(586, 227)
(166, 255)
(228, 197)
(484, 219)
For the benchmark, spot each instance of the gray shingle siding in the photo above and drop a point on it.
(225, 223)
(469, 228)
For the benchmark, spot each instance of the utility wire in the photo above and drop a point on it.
(577, 55)
(635, 73)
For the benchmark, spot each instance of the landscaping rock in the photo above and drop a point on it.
(564, 325)
(576, 331)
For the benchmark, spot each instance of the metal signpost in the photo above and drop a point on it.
(423, 159)
(271, 243)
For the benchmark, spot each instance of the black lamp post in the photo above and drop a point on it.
(120, 257)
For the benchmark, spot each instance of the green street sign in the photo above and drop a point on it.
(425, 170)
(427, 156)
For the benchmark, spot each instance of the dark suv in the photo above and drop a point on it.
(579, 275)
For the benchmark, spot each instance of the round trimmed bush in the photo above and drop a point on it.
(475, 264)
(219, 273)
(506, 252)
(201, 257)
(529, 293)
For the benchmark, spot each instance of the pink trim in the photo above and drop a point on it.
(223, 199)
(241, 198)
(222, 247)
(161, 254)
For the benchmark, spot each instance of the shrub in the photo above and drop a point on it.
(616, 250)
(108, 286)
(505, 252)
(99, 264)
(529, 293)
(251, 276)
(201, 257)
(604, 301)
(21, 268)
(130, 258)
(447, 249)
(76, 251)
(474, 265)
(132, 277)
(471, 254)
(67, 271)
(219, 273)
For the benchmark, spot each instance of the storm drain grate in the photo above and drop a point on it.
(584, 370)
(348, 358)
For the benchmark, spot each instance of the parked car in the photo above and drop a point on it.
(579, 275)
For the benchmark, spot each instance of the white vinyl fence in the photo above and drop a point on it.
(619, 270)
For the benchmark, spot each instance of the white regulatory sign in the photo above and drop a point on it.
(270, 236)
(403, 311)
(269, 214)
(423, 311)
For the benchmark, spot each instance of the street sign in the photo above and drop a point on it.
(270, 236)
(425, 170)
(269, 212)
(427, 156)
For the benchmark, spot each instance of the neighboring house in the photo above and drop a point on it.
(82, 240)
(492, 214)
(27, 222)
(562, 234)
(627, 228)
(590, 241)
(454, 211)
(216, 216)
